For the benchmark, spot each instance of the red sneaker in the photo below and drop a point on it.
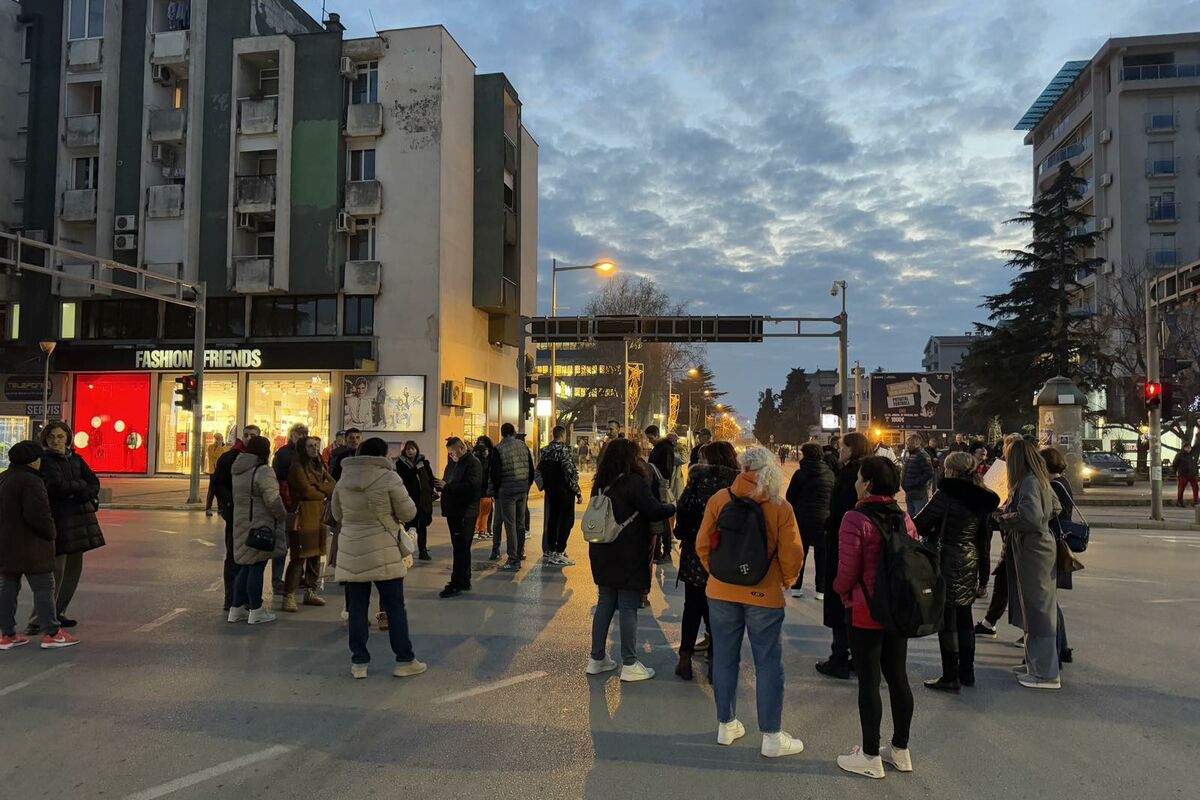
(9, 642)
(60, 639)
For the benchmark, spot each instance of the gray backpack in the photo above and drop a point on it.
(599, 523)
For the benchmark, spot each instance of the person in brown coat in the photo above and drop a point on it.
(27, 548)
(309, 485)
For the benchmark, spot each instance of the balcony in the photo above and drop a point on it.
(170, 48)
(510, 226)
(255, 194)
(1157, 72)
(1162, 167)
(168, 125)
(1063, 154)
(164, 202)
(79, 288)
(364, 119)
(362, 277)
(82, 130)
(252, 274)
(364, 198)
(257, 116)
(84, 55)
(510, 155)
(1162, 212)
(1161, 258)
(79, 205)
(168, 269)
(1162, 121)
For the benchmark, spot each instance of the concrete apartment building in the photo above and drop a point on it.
(14, 91)
(363, 213)
(945, 353)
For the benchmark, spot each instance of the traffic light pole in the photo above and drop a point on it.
(197, 443)
(1152, 376)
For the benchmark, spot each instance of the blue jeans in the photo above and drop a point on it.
(610, 599)
(915, 501)
(391, 601)
(727, 622)
(247, 587)
(279, 569)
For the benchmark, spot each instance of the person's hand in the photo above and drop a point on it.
(578, 499)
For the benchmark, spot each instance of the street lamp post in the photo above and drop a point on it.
(691, 373)
(842, 355)
(691, 408)
(605, 268)
(48, 349)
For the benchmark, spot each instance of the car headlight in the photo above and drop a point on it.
(1088, 472)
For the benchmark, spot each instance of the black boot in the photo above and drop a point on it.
(834, 669)
(684, 669)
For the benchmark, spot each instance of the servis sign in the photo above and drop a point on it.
(232, 358)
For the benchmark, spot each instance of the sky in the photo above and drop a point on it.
(747, 154)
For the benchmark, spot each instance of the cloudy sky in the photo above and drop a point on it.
(746, 154)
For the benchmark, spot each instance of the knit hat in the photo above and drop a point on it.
(25, 452)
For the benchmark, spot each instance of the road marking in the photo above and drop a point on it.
(16, 687)
(1117, 580)
(161, 530)
(163, 620)
(204, 542)
(208, 774)
(219, 583)
(490, 687)
(1177, 600)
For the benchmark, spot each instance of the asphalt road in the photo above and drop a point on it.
(164, 699)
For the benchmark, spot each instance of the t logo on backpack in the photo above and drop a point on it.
(740, 554)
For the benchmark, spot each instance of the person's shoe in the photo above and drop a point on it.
(597, 666)
(820, 596)
(981, 594)
(942, 685)
(424, 556)
(358, 671)
(260, 615)
(967, 679)
(684, 668)
(9, 642)
(66, 622)
(730, 732)
(798, 593)
(208, 512)
(289, 604)
(985, 630)
(834, 669)
(381, 620)
(450, 591)
(779, 744)
(1066, 656)
(344, 618)
(563, 561)
(406, 669)
(637, 671)
(311, 598)
(238, 614)
(899, 758)
(494, 556)
(32, 628)
(60, 639)
(1020, 669)
(860, 763)
(1028, 681)
(645, 602)
(278, 587)
(704, 645)
(512, 565)
(1019, 642)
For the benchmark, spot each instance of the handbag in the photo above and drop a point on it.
(260, 538)
(1065, 561)
(1075, 534)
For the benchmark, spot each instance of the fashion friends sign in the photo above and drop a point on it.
(213, 359)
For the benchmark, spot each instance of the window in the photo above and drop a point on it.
(179, 100)
(293, 316)
(86, 19)
(365, 88)
(359, 316)
(68, 327)
(83, 172)
(362, 241)
(267, 165)
(362, 165)
(225, 318)
(268, 81)
(118, 319)
(27, 46)
(509, 197)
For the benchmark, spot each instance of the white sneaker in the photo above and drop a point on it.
(597, 666)
(637, 671)
(406, 669)
(819, 595)
(260, 615)
(797, 593)
(1030, 682)
(563, 561)
(779, 744)
(345, 618)
(358, 671)
(238, 614)
(730, 732)
(900, 759)
(860, 763)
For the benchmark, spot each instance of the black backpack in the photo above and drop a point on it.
(739, 554)
(910, 593)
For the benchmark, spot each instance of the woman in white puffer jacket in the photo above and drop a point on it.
(371, 506)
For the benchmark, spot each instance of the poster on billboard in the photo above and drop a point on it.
(913, 401)
(384, 403)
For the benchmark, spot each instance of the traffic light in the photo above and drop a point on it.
(1153, 393)
(185, 392)
(529, 401)
(836, 406)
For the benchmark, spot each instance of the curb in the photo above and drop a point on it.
(1148, 525)
(151, 507)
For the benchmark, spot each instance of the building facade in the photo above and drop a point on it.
(945, 353)
(330, 193)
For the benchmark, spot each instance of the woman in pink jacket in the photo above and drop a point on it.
(875, 651)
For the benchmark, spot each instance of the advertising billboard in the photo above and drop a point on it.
(384, 403)
(913, 401)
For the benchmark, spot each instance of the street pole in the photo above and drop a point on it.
(625, 400)
(842, 358)
(198, 401)
(48, 349)
(858, 412)
(1152, 376)
(553, 345)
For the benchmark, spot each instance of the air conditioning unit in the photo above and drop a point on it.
(160, 74)
(125, 241)
(246, 222)
(1106, 223)
(1106, 179)
(125, 223)
(452, 393)
(161, 153)
(1106, 268)
(1105, 136)
(171, 173)
(348, 67)
(345, 223)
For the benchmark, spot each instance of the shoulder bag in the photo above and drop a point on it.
(1074, 534)
(260, 538)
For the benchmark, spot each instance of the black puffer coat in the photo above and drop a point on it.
(625, 563)
(955, 521)
(843, 499)
(809, 493)
(418, 482)
(73, 490)
(704, 480)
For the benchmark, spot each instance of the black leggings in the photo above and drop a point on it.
(876, 653)
(956, 640)
(999, 601)
(695, 608)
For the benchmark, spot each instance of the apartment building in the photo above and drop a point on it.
(14, 89)
(945, 353)
(352, 207)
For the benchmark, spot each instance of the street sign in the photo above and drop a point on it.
(35, 410)
(913, 401)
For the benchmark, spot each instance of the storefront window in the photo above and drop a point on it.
(175, 424)
(12, 430)
(112, 420)
(276, 401)
(475, 415)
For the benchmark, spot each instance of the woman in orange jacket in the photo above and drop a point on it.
(736, 610)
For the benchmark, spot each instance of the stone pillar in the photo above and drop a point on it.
(1060, 407)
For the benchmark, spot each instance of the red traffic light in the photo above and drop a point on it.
(1153, 393)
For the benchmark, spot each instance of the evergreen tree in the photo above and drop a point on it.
(766, 422)
(797, 409)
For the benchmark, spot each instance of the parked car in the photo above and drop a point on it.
(1106, 468)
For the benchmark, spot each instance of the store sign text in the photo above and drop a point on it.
(213, 359)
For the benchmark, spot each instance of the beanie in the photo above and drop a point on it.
(25, 452)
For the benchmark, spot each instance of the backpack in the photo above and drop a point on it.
(599, 523)
(739, 552)
(665, 495)
(910, 592)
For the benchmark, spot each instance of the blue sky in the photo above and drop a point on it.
(747, 154)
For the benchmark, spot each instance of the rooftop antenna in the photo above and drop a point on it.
(376, 29)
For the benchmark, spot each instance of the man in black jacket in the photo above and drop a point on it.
(809, 493)
(461, 487)
(662, 457)
(560, 484)
(222, 483)
(703, 437)
(918, 475)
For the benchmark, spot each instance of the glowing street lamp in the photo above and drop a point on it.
(605, 267)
